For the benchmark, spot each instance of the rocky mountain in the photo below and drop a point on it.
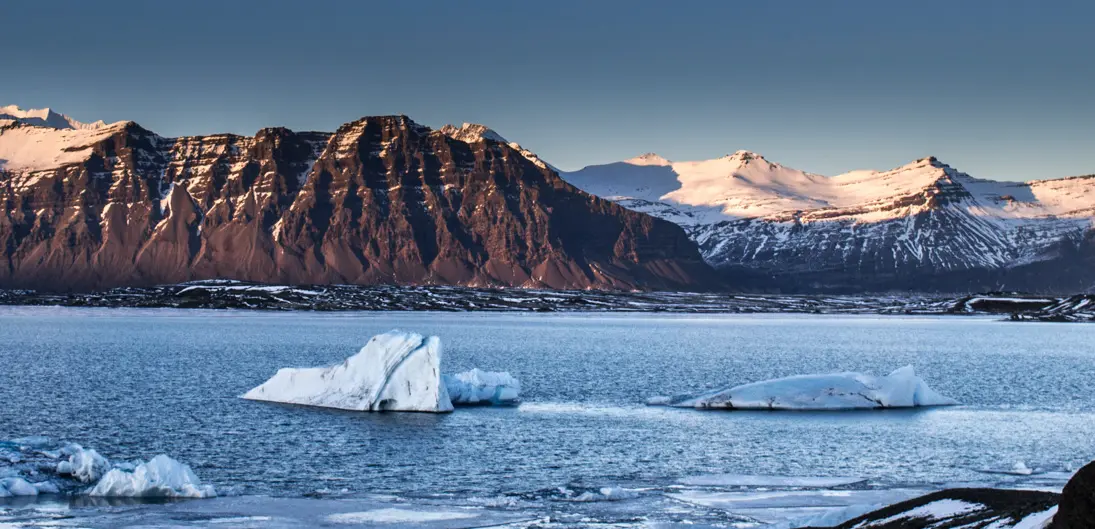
(382, 200)
(924, 226)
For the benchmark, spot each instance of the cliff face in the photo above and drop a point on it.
(382, 200)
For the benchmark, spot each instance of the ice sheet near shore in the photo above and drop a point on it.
(395, 371)
(840, 391)
(36, 465)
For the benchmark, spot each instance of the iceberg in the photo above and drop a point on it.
(161, 477)
(36, 465)
(395, 371)
(840, 391)
(477, 387)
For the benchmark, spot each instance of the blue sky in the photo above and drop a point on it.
(997, 89)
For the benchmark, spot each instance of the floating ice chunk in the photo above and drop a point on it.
(840, 391)
(15, 486)
(47, 487)
(746, 480)
(398, 516)
(161, 477)
(86, 466)
(1020, 468)
(482, 387)
(661, 400)
(606, 494)
(393, 372)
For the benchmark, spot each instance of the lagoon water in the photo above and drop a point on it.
(580, 450)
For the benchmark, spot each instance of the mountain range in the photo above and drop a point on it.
(384, 200)
(924, 226)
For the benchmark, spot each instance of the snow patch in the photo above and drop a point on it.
(936, 510)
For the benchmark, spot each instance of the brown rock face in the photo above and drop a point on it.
(381, 201)
(1077, 507)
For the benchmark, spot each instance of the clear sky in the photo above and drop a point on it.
(998, 89)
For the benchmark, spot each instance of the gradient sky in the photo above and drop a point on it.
(997, 89)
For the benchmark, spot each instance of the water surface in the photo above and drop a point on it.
(135, 383)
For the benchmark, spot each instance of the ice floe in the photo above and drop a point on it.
(786, 509)
(395, 371)
(15, 486)
(482, 387)
(745, 480)
(35, 465)
(840, 391)
(392, 515)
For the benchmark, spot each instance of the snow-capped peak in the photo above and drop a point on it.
(472, 132)
(648, 159)
(43, 117)
(746, 156)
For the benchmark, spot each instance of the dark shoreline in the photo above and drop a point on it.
(252, 296)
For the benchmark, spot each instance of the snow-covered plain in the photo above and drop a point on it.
(839, 391)
(395, 371)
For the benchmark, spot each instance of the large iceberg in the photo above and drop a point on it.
(476, 387)
(840, 391)
(395, 371)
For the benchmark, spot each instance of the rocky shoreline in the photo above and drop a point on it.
(223, 294)
(1074, 508)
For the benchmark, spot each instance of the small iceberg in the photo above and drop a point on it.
(839, 391)
(395, 371)
(37, 465)
(476, 387)
(161, 477)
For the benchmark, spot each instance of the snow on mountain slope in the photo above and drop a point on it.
(27, 148)
(43, 117)
(746, 185)
(474, 133)
(921, 218)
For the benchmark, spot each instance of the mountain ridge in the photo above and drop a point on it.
(382, 200)
(923, 224)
